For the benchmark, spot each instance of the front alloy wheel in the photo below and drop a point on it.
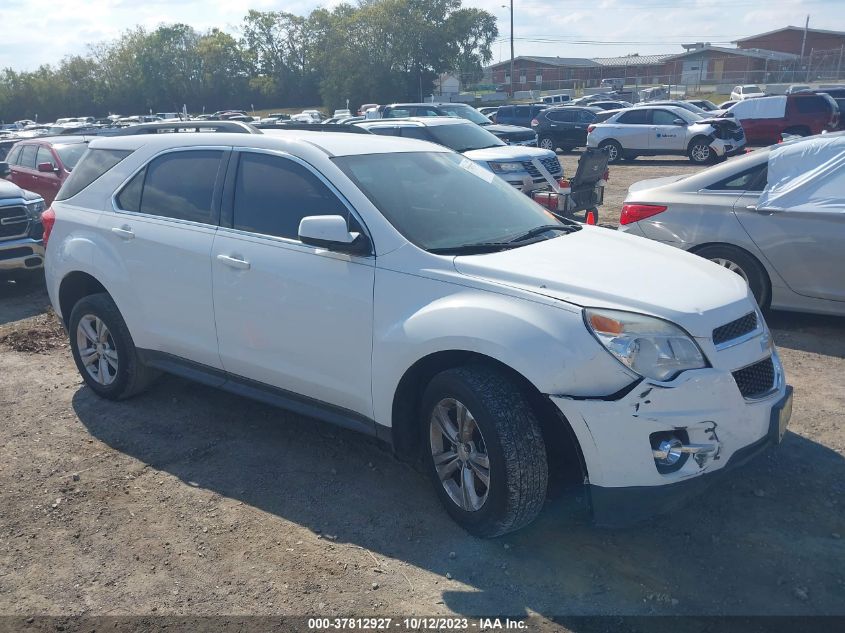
(700, 153)
(547, 143)
(459, 454)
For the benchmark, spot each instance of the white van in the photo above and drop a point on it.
(556, 99)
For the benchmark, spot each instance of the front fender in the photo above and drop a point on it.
(549, 345)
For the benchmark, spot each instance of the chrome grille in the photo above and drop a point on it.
(14, 222)
(756, 380)
(552, 165)
(735, 329)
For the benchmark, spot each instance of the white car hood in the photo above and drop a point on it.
(508, 152)
(596, 267)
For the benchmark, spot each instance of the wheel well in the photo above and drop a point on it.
(566, 461)
(702, 137)
(695, 249)
(74, 287)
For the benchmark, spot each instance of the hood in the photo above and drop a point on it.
(11, 190)
(597, 267)
(509, 152)
(500, 129)
(655, 182)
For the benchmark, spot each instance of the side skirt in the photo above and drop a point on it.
(261, 392)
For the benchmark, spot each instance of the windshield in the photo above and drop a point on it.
(463, 137)
(468, 205)
(466, 112)
(70, 154)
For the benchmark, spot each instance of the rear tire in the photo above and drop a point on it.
(499, 430)
(630, 157)
(546, 142)
(614, 151)
(104, 351)
(744, 265)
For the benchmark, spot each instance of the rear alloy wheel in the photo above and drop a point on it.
(546, 142)
(614, 151)
(700, 152)
(486, 457)
(742, 264)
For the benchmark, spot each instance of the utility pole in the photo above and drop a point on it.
(511, 49)
(804, 40)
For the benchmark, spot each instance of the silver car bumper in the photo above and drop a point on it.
(21, 254)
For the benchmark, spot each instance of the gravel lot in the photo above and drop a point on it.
(191, 501)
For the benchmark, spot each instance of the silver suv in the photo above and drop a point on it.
(659, 130)
(526, 168)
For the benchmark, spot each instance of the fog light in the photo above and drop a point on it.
(670, 450)
(667, 448)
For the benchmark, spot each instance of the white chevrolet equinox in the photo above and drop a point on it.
(394, 287)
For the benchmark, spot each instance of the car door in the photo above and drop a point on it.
(24, 173)
(295, 317)
(162, 229)
(48, 181)
(804, 243)
(665, 135)
(584, 119)
(632, 129)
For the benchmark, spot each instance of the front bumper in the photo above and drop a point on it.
(21, 254)
(726, 148)
(614, 436)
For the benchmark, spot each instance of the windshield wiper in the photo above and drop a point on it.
(472, 248)
(539, 230)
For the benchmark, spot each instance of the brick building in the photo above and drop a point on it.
(788, 40)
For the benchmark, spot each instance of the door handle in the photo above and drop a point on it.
(762, 210)
(234, 262)
(124, 232)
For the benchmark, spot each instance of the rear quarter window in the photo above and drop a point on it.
(93, 164)
(812, 105)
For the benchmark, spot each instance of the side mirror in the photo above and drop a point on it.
(5, 170)
(679, 122)
(47, 167)
(331, 232)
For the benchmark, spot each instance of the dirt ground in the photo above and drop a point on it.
(191, 501)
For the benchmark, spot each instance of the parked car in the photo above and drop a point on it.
(654, 93)
(748, 91)
(611, 105)
(510, 134)
(704, 104)
(424, 302)
(556, 99)
(686, 105)
(367, 106)
(520, 115)
(838, 95)
(563, 127)
(775, 217)
(725, 105)
(516, 164)
(613, 83)
(169, 116)
(6, 144)
(661, 130)
(801, 114)
(21, 246)
(488, 110)
(342, 112)
(795, 88)
(42, 164)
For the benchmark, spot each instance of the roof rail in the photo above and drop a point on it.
(230, 127)
(312, 127)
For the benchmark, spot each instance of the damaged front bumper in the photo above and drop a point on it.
(717, 427)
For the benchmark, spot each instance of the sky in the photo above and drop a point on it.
(36, 32)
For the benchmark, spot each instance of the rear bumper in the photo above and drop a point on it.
(21, 255)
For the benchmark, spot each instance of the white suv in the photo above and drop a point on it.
(660, 130)
(749, 91)
(397, 288)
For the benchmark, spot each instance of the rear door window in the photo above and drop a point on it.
(562, 116)
(28, 154)
(636, 116)
(812, 105)
(273, 194)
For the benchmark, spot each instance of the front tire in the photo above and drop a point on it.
(104, 351)
(700, 152)
(614, 151)
(742, 264)
(486, 455)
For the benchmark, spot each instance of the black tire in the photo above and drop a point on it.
(752, 270)
(699, 151)
(132, 376)
(630, 157)
(518, 469)
(546, 142)
(614, 151)
(798, 131)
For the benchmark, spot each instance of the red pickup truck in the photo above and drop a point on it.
(764, 119)
(43, 164)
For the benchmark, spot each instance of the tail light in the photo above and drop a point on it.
(590, 128)
(534, 123)
(635, 212)
(48, 219)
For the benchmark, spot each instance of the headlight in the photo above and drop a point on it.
(505, 167)
(35, 209)
(651, 347)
